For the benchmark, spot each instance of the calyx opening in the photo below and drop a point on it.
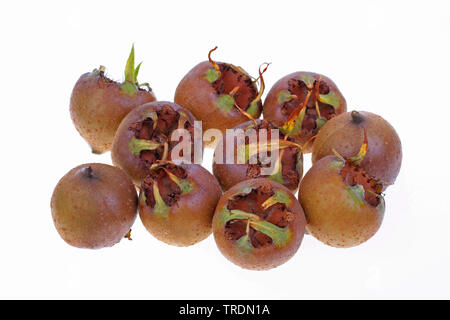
(261, 217)
(288, 153)
(354, 175)
(316, 112)
(151, 140)
(162, 184)
(235, 83)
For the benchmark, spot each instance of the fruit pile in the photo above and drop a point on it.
(257, 222)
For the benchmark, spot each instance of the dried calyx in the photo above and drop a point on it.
(353, 175)
(235, 87)
(306, 106)
(289, 159)
(151, 140)
(259, 217)
(164, 185)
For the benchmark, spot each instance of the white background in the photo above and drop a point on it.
(390, 58)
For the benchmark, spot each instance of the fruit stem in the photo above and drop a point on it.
(88, 172)
(215, 65)
(128, 235)
(357, 117)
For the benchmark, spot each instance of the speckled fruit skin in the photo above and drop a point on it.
(334, 215)
(266, 257)
(94, 212)
(195, 93)
(120, 153)
(384, 153)
(189, 220)
(272, 109)
(98, 105)
(229, 175)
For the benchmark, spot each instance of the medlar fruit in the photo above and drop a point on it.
(98, 104)
(94, 206)
(342, 133)
(177, 202)
(258, 224)
(288, 168)
(301, 103)
(145, 136)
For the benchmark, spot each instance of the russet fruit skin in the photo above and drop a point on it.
(98, 105)
(249, 247)
(337, 213)
(279, 103)
(94, 206)
(229, 175)
(133, 164)
(196, 93)
(344, 134)
(188, 220)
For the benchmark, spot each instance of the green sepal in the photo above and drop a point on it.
(308, 79)
(279, 236)
(284, 96)
(130, 85)
(356, 194)
(299, 165)
(137, 145)
(225, 103)
(129, 88)
(212, 75)
(186, 186)
(244, 244)
(331, 98)
(297, 124)
(277, 176)
(253, 109)
(142, 198)
(161, 209)
(320, 122)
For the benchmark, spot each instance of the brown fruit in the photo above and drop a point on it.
(145, 136)
(94, 206)
(177, 202)
(343, 204)
(301, 103)
(344, 134)
(212, 90)
(98, 104)
(287, 172)
(258, 224)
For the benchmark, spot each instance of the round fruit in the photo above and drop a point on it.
(98, 104)
(301, 103)
(177, 202)
(287, 168)
(343, 133)
(258, 224)
(147, 135)
(217, 93)
(342, 202)
(94, 206)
